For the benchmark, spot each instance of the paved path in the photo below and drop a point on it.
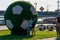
(49, 38)
(54, 38)
(3, 27)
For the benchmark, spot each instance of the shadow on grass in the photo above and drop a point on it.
(14, 37)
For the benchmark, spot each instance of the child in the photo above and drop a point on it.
(31, 23)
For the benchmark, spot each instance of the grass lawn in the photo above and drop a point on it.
(5, 35)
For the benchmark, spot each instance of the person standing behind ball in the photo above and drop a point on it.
(31, 23)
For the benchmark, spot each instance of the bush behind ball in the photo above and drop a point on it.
(15, 15)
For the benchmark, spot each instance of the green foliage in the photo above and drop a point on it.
(18, 19)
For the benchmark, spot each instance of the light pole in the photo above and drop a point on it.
(58, 5)
(35, 5)
(48, 8)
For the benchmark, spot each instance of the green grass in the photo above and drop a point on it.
(5, 34)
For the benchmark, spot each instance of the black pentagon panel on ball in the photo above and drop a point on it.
(17, 16)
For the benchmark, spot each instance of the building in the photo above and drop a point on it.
(47, 18)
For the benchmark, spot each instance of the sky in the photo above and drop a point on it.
(52, 4)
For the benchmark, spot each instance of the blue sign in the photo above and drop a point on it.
(41, 14)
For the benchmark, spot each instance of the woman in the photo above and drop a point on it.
(58, 26)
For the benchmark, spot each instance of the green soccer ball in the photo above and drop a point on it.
(17, 16)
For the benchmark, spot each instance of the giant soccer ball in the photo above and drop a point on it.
(17, 16)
